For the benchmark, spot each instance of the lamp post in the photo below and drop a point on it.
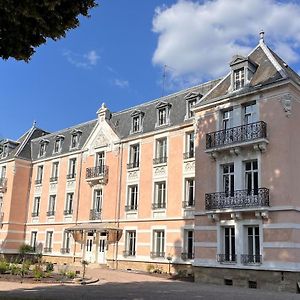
(169, 258)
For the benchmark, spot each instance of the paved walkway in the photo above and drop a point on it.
(134, 286)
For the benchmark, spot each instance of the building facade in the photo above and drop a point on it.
(203, 180)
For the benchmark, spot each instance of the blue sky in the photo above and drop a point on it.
(117, 57)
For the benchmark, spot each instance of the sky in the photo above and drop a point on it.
(118, 56)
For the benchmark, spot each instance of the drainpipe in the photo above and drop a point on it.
(120, 167)
(77, 200)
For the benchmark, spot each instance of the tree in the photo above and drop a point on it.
(26, 24)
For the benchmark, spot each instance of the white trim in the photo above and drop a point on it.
(203, 228)
(205, 244)
(281, 245)
(282, 226)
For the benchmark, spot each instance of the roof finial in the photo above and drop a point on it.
(261, 36)
(34, 123)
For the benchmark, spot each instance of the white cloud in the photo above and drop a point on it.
(86, 61)
(198, 39)
(121, 83)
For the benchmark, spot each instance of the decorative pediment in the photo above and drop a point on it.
(237, 59)
(59, 137)
(191, 95)
(76, 131)
(44, 141)
(100, 140)
(162, 104)
(137, 112)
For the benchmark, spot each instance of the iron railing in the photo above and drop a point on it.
(186, 204)
(187, 255)
(154, 254)
(53, 179)
(239, 134)
(95, 214)
(50, 213)
(128, 253)
(71, 176)
(95, 172)
(64, 250)
(160, 160)
(47, 249)
(133, 165)
(35, 214)
(226, 258)
(237, 199)
(249, 259)
(130, 207)
(159, 205)
(68, 212)
(190, 154)
(38, 181)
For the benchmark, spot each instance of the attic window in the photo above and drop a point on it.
(189, 105)
(137, 121)
(75, 139)
(58, 144)
(239, 78)
(43, 147)
(163, 114)
(4, 151)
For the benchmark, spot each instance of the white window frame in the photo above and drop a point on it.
(158, 242)
(132, 197)
(68, 207)
(130, 242)
(162, 204)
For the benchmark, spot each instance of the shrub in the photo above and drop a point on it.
(3, 266)
(150, 268)
(15, 269)
(49, 267)
(71, 274)
(38, 272)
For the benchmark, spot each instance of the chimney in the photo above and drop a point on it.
(103, 113)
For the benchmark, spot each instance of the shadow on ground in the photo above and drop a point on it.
(141, 291)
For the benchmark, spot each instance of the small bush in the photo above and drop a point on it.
(49, 267)
(150, 268)
(15, 269)
(38, 272)
(71, 274)
(4, 267)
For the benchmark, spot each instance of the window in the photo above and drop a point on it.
(228, 180)
(72, 168)
(251, 177)
(36, 206)
(189, 145)
(49, 240)
(188, 245)
(161, 151)
(39, 175)
(66, 242)
(58, 145)
(250, 115)
(42, 151)
(189, 192)
(130, 243)
(239, 78)
(100, 160)
(75, 139)
(228, 245)
(132, 198)
(69, 204)
(51, 205)
(134, 156)
(158, 246)
(54, 172)
(162, 116)
(253, 246)
(136, 124)
(33, 240)
(3, 172)
(227, 119)
(159, 195)
(97, 201)
(190, 104)
(4, 151)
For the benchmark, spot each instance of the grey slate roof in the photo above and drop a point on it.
(85, 128)
(265, 74)
(122, 120)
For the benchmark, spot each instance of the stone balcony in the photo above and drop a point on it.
(97, 175)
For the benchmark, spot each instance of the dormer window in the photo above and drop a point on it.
(190, 104)
(4, 151)
(75, 139)
(43, 147)
(163, 113)
(58, 144)
(137, 119)
(239, 78)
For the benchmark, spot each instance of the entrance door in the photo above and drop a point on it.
(102, 248)
(89, 248)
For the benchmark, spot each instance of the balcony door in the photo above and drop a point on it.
(229, 244)
(251, 177)
(228, 179)
(253, 244)
(100, 160)
(102, 248)
(226, 123)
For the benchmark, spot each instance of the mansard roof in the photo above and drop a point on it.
(84, 129)
(270, 70)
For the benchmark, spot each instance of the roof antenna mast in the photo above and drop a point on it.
(164, 80)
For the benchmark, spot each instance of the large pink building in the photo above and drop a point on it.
(203, 180)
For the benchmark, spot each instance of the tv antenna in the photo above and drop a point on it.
(164, 78)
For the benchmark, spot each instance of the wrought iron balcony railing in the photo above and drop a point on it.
(131, 207)
(3, 184)
(95, 214)
(237, 199)
(50, 213)
(159, 205)
(186, 204)
(47, 250)
(133, 165)
(68, 212)
(35, 214)
(154, 254)
(71, 176)
(187, 155)
(38, 181)
(239, 134)
(128, 253)
(250, 259)
(65, 250)
(187, 255)
(96, 172)
(160, 160)
(53, 179)
(226, 258)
